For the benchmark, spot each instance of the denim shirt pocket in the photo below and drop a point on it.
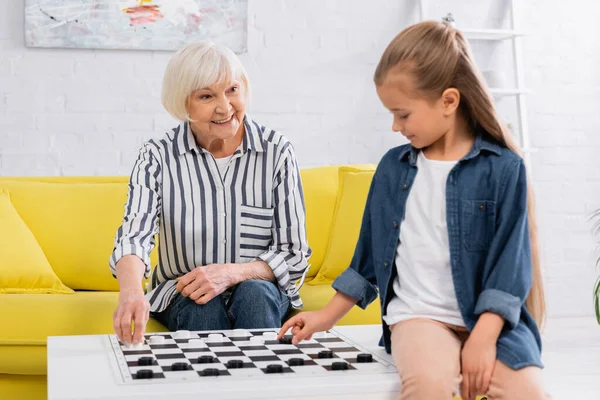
(479, 223)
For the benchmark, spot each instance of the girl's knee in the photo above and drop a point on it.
(522, 384)
(429, 384)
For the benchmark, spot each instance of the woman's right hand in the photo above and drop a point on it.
(305, 324)
(133, 309)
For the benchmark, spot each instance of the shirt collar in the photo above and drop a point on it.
(482, 142)
(252, 140)
(184, 139)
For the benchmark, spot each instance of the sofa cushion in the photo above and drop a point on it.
(23, 265)
(320, 192)
(315, 297)
(75, 224)
(354, 187)
(30, 387)
(23, 344)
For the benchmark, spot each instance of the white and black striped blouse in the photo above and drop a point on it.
(255, 210)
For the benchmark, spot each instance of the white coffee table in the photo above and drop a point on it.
(80, 367)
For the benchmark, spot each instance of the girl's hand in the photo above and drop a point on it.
(478, 359)
(305, 324)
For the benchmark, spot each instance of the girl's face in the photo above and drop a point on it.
(423, 121)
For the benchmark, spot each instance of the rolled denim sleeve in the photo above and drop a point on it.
(358, 280)
(507, 276)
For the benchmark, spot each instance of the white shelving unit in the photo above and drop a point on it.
(514, 35)
(508, 91)
(490, 34)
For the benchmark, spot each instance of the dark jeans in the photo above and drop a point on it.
(252, 304)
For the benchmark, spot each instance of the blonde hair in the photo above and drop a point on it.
(439, 57)
(194, 67)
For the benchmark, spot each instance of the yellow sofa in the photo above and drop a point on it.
(73, 221)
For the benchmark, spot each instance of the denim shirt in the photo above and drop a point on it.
(488, 233)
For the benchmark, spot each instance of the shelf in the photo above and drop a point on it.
(508, 91)
(490, 34)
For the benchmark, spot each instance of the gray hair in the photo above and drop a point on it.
(197, 66)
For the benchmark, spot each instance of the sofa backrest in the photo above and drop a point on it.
(320, 186)
(75, 219)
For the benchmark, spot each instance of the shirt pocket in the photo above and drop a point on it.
(255, 230)
(478, 223)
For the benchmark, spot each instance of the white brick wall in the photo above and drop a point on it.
(563, 55)
(84, 112)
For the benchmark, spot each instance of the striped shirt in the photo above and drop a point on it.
(253, 211)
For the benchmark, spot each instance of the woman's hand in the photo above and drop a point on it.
(202, 284)
(133, 309)
(306, 323)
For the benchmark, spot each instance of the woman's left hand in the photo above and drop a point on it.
(478, 360)
(202, 284)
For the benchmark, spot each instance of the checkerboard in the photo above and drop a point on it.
(235, 355)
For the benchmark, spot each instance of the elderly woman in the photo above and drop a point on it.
(225, 195)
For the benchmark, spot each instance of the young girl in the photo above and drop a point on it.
(448, 236)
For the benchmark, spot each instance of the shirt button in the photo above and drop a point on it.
(405, 186)
(223, 214)
(395, 225)
(224, 240)
(386, 264)
(481, 207)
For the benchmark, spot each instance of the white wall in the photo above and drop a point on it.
(85, 112)
(563, 60)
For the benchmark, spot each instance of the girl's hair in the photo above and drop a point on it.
(438, 57)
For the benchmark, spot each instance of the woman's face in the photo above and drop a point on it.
(218, 110)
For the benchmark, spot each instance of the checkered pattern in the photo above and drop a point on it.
(256, 357)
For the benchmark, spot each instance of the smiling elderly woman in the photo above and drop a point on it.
(225, 196)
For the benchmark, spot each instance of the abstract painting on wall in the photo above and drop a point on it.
(135, 24)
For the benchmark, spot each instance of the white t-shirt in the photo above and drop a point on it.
(423, 286)
(222, 164)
